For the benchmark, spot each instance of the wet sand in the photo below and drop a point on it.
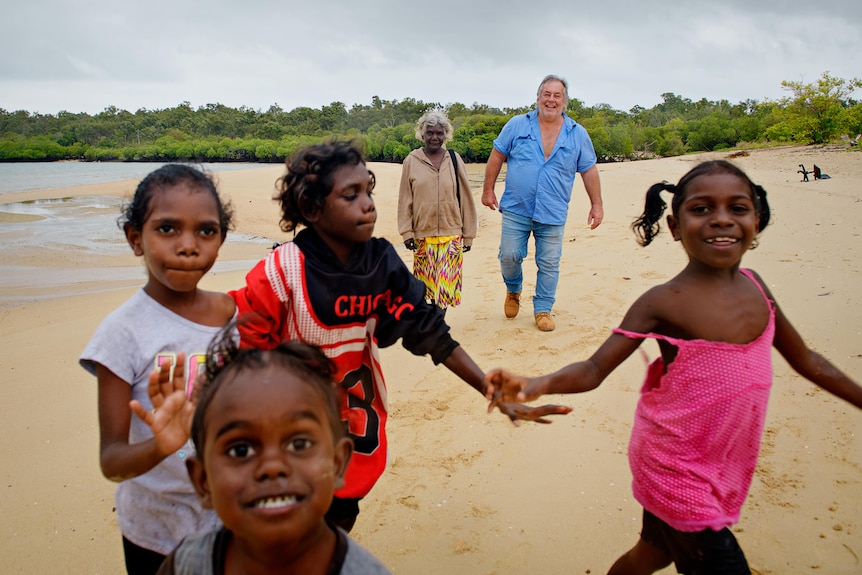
(465, 491)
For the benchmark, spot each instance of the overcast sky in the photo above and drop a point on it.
(86, 55)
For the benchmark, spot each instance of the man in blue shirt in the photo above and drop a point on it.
(545, 149)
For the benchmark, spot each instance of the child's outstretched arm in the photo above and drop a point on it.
(502, 386)
(462, 365)
(810, 364)
(642, 317)
(170, 421)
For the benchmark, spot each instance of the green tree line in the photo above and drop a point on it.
(815, 113)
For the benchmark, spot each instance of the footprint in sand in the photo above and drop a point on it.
(482, 511)
(409, 501)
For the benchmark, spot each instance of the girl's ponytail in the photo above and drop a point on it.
(646, 227)
(763, 212)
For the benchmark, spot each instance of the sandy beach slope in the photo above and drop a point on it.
(466, 492)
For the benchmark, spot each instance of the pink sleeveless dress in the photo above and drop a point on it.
(697, 428)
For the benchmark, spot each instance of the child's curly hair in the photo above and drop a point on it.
(225, 361)
(309, 179)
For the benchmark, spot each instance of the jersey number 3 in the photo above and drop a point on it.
(363, 422)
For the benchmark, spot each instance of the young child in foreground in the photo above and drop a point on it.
(698, 424)
(176, 222)
(337, 287)
(270, 451)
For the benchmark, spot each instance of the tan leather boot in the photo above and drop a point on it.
(512, 305)
(545, 322)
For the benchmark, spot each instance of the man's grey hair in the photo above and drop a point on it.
(551, 77)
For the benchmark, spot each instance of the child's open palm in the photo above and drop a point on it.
(171, 416)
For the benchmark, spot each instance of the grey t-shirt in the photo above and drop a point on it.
(204, 554)
(158, 509)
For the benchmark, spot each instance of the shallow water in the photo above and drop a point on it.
(69, 231)
(87, 222)
(23, 176)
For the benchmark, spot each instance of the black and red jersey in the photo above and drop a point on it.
(301, 291)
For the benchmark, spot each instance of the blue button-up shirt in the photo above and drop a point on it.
(536, 188)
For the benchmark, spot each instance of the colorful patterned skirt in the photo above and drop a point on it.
(437, 262)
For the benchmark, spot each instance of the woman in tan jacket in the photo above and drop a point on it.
(436, 213)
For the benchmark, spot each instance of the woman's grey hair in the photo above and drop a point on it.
(433, 118)
(549, 78)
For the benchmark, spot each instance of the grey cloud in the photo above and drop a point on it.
(87, 55)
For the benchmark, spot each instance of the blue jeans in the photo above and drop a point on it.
(513, 249)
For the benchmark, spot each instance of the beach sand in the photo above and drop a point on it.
(465, 491)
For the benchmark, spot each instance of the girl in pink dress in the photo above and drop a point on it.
(700, 417)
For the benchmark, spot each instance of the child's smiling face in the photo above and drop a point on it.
(270, 461)
(348, 215)
(717, 219)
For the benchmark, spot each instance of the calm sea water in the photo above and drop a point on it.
(86, 225)
(19, 177)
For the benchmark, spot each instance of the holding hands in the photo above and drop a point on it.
(519, 412)
(507, 391)
(171, 417)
